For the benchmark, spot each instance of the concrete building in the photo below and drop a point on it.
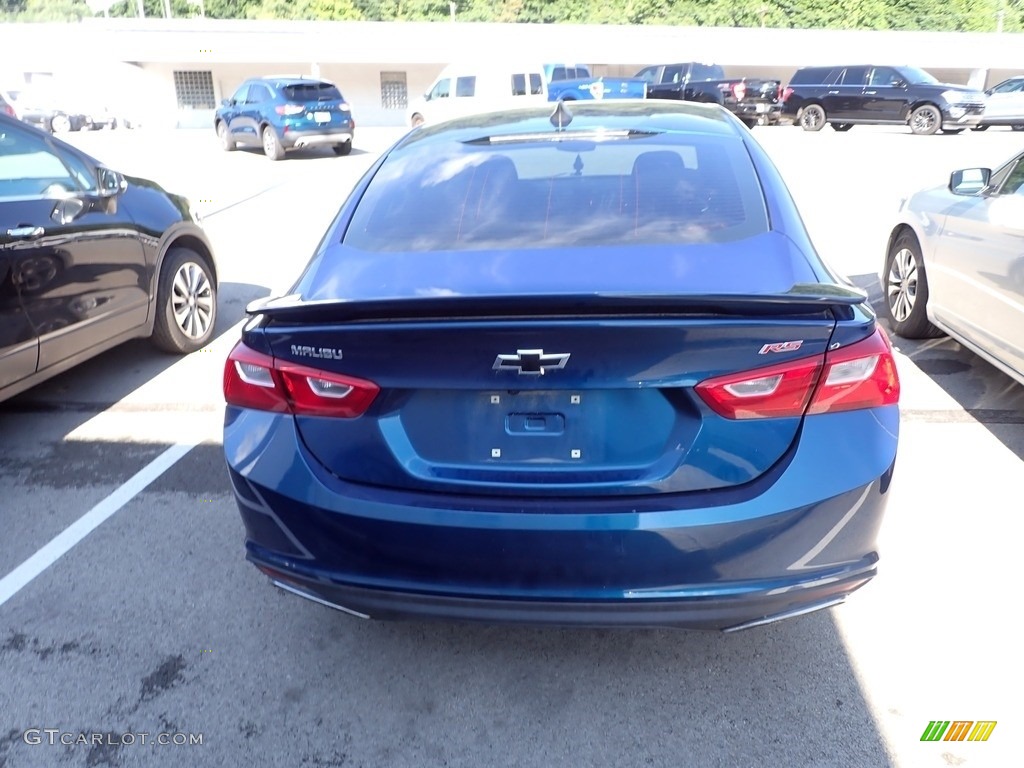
(176, 71)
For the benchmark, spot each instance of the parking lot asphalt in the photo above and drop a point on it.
(153, 622)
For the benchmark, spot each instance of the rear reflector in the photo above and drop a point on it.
(861, 375)
(258, 381)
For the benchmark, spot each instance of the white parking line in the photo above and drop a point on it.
(62, 543)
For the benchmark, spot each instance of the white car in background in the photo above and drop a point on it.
(1004, 105)
(955, 264)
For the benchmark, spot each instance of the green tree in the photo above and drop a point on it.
(54, 10)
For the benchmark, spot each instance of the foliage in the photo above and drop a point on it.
(939, 15)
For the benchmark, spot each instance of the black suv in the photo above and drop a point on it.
(848, 96)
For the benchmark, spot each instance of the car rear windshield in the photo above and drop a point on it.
(663, 188)
(312, 92)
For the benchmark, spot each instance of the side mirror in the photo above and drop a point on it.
(227, 102)
(901, 83)
(969, 182)
(111, 183)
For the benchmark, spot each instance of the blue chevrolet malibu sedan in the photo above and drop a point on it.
(581, 367)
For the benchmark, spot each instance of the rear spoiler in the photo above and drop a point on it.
(802, 299)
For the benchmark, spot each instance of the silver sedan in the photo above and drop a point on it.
(955, 264)
(1004, 105)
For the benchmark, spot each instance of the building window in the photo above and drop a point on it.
(194, 89)
(393, 93)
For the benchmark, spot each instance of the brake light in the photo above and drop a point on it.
(786, 93)
(9, 110)
(861, 375)
(289, 109)
(739, 90)
(258, 381)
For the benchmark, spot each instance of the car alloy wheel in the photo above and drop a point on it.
(906, 289)
(186, 303)
(417, 120)
(226, 142)
(192, 300)
(271, 146)
(60, 124)
(925, 120)
(812, 118)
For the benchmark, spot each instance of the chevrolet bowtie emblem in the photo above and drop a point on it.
(530, 362)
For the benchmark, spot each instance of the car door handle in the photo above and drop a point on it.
(832, 93)
(25, 233)
(870, 93)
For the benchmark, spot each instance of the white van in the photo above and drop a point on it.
(463, 89)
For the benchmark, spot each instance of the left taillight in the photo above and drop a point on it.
(739, 90)
(861, 375)
(258, 381)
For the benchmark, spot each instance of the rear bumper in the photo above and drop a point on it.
(801, 537)
(727, 613)
(316, 138)
(763, 112)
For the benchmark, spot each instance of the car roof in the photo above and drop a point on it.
(617, 114)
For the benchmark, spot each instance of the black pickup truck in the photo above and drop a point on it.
(752, 101)
(870, 95)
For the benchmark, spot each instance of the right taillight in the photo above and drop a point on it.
(263, 383)
(786, 93)
(289, 109)
(861, 375)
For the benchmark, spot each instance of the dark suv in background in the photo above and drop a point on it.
(879, 95)
(281, 113)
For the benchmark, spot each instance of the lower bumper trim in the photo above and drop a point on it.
(726, 613)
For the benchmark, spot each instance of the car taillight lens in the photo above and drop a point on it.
(861, 375)
(786, 93)
(8, 110)
(258, 381)
(739, 90)
(289, 109)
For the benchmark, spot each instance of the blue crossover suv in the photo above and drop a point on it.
(282, 113)
(581, 367)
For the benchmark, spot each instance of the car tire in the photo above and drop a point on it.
(841, 127)
(812, 117)
(416, 120)
(906, 290)
(60, 124)
(113, 124)
(1017, 127)
(186, 303)
(343, 149)
(226, 142)
(979, 127)
(271, 144)
(749, 123)
(925, 120)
